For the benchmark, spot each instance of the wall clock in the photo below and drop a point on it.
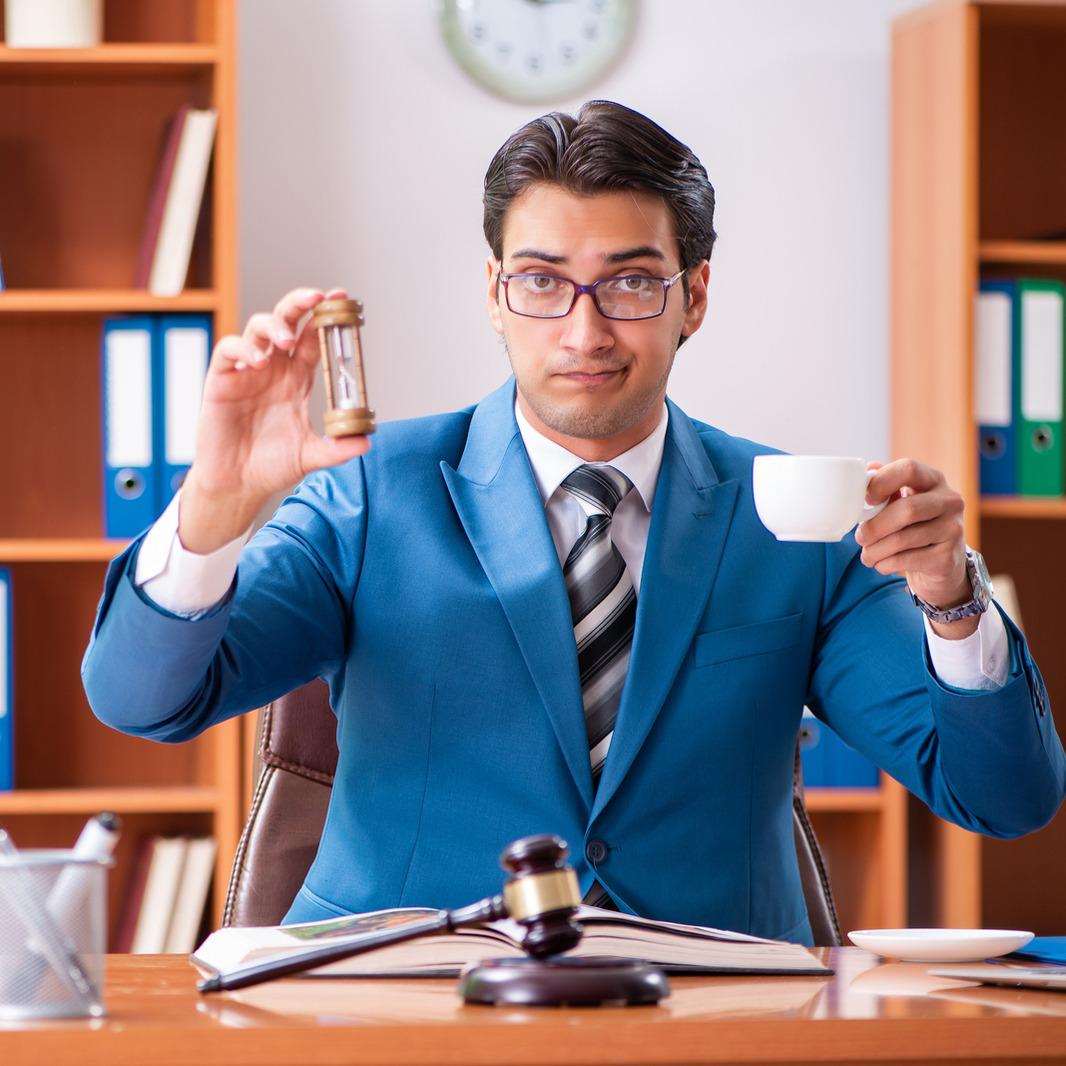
(532, 51)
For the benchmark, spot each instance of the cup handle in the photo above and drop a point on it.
(869, 510)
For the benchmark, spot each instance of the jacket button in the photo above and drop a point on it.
(595, 851)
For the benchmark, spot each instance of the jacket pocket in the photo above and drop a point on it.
(742, 642)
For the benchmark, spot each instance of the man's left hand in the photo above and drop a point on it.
(920, 535)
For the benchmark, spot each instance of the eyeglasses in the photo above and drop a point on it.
(632, 296)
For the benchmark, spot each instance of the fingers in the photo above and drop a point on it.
(331, 451)
(921, 529)
(894, 478)
(238, 353)
(268, 332)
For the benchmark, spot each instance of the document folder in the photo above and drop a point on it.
(184, 347)
(130, 491)
(830, 763)
(7, 690)
(1038, 339)
(994, 394)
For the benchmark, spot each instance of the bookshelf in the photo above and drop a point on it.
(80, 135)
(863, 836)
(978, 110)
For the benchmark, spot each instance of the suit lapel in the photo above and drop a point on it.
(499, 505)
(690, 522)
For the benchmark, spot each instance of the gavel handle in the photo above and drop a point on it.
(344, 948)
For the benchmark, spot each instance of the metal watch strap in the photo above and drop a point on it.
(982, 594)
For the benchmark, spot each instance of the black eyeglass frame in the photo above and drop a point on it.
(580, 290)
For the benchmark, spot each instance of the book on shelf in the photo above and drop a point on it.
(167, 894)
(174, 202)
(194, 890)
(676, 948)
(157, 198)
(160, 894)
(126, 926)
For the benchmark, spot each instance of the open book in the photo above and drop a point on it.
(676, 948)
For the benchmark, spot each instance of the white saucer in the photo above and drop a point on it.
(940, 945)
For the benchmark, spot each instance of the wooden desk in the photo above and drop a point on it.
(870, 1012)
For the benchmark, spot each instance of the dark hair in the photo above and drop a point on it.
(606, 148)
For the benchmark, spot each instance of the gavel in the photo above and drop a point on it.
(541, 895)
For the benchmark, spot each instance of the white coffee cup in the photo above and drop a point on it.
(811, 497)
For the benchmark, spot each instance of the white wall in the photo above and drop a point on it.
(363, 149)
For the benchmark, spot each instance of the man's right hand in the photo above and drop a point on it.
(254, 436)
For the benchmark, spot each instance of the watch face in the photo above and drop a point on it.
(536, 50)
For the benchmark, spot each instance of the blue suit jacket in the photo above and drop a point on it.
(423, 583)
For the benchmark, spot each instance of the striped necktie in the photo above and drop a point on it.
(602, 603)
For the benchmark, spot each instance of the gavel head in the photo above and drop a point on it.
(542, 894)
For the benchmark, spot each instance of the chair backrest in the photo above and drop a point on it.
(821, 910)
(297, 761)
(298, 758)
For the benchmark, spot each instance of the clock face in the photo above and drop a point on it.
(536, 50)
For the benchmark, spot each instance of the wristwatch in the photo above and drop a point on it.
(982, 593)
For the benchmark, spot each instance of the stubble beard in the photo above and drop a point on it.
(593, 420)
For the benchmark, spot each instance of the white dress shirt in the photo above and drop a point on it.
(188, 584)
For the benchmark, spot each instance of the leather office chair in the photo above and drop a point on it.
(298, 757)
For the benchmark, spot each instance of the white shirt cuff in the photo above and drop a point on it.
(180, 581)
(979, 662)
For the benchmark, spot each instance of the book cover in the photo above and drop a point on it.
(157, 199)
(126, 926)
(191, 898)
(185, 191)
(160, 894)
(675, 947)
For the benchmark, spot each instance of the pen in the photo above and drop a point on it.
(96, 843)
(21, 893)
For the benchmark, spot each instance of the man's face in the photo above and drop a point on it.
(592, 384)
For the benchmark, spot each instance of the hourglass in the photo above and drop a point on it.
(337, 323)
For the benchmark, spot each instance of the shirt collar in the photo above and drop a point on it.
(552, 462)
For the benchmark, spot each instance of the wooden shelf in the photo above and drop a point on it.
(863, 835)
(111, 60)
(821, 800)
(72, 550)
(1025, 252)
(102, 301)
(120, 800)
(1023, 507)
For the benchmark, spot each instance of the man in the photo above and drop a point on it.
(443, 579)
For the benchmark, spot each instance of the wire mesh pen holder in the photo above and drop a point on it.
(53, 935)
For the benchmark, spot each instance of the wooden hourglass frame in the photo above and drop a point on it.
(337, 323)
